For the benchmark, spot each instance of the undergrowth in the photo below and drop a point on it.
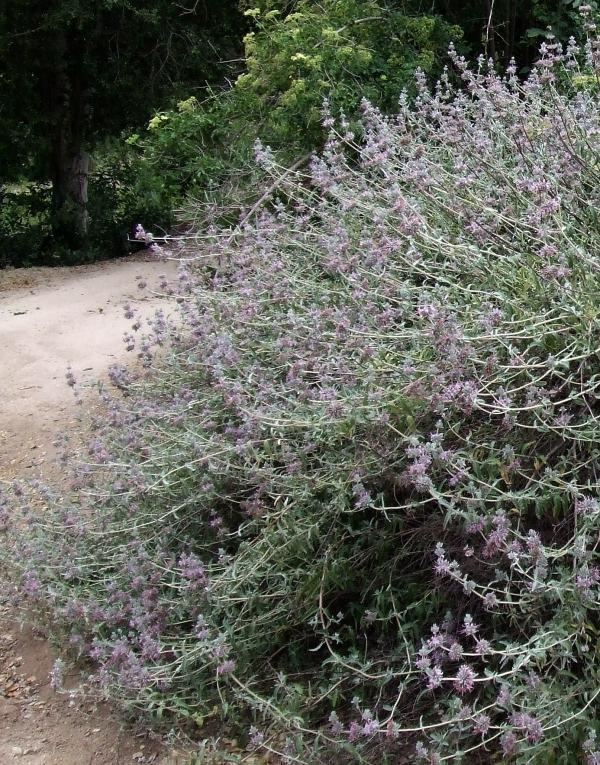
(354, 507)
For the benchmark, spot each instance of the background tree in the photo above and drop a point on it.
(74, 71)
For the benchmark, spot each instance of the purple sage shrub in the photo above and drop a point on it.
(356, 496)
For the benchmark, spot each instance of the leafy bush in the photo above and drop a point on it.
(342, 51)
(345, 51)
(28, 236)
(196, 150)
(24, 224)
(357, 503)
(122, 190)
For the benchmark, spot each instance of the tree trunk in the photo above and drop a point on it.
(70, 173)
(70, 162)
(78, 191)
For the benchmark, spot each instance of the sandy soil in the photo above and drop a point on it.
(49, 319)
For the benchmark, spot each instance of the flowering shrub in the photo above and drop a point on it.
(356, 505)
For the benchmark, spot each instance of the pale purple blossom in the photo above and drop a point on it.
(465, 679)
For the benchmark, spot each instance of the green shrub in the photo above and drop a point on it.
(25, 229)
(123, 191)
(196, 151)
(339, 52)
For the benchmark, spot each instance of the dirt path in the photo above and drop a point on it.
(50, 318)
